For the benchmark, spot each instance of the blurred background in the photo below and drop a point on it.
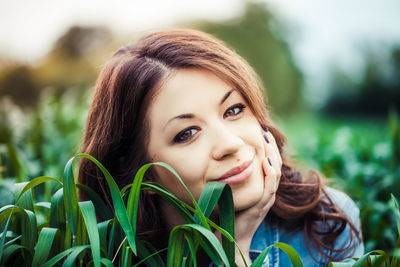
(331, 70)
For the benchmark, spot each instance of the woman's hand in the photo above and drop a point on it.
(248, 221)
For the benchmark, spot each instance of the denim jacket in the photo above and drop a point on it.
(268, 234)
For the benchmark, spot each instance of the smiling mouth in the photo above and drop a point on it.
(238, 174)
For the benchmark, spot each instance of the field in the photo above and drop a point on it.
(361, 156)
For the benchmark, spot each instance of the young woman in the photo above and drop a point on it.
(182, 97)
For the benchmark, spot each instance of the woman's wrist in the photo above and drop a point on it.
(240, 258)
(243, 253)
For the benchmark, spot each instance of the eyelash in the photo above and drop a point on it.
(179, 137)
(239, 105)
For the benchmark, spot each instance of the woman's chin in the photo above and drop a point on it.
(242, 203)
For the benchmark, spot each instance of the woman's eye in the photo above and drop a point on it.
(234, 110)
(185, 135)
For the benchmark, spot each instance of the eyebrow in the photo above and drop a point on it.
(191, 115)
(225, 97)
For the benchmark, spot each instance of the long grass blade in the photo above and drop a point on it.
(12, 240)
(71, 197)
(181, 207)
(227, 222)
(29, 231)
(133, 200)
(57, 210)
(35, 182)
(205, 237)
(11, 250)
(118, 203)
(81, 237)
(43, 204)
(149, 260)
(208, 249)
(107, 262)
(220, 193)
(43, 246)
(365, 257)
(4, 235)
(258, 262)
(192, 248)
(72, 258)
(209, 198)
(26, 199)
(175, 247)
(101, 207)
(64, 253)
(111, 239)
(291, 252)
(198, 211)
(396, 212)
(340, 264)
(127, 257)
(103, 231)
(89, 215)
(16, 163)
(27, 224)
(149, 254)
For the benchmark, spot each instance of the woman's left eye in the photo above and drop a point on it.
(234, 110)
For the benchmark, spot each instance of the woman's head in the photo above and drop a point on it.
(172, 74)
(203, 128)
(119, 128)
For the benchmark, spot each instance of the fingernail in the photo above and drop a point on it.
(266, 138)
(265, 128)
(269, 161)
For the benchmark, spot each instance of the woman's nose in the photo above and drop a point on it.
(225, 142)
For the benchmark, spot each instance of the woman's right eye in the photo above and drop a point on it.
(185, 135)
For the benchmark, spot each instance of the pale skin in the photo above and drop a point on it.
(202, 127)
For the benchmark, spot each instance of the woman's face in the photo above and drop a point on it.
(204, 128)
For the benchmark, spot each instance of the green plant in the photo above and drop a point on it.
(359, 156)
(65, 230)
(379, 257)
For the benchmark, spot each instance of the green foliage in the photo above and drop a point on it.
(80, 238)
(37, 143)
(374, 90)
(362, 158)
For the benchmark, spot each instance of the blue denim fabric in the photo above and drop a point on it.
(268, 234)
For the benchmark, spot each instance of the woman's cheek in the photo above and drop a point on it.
(190, 166)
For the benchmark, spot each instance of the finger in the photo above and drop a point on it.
(272, 147)
(272, 175)
(273, 157)
(270, 181)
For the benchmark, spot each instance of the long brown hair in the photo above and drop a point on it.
(117, 129)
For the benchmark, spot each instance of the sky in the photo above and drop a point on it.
(325, 32)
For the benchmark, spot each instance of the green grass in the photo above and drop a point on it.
(68, 232)
(361, 157)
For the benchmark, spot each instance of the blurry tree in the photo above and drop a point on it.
(74, 59)
(375, 92)
(18, 82)
(74, 62)
(260, 38)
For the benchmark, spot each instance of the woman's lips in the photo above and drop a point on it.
(238, 174)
